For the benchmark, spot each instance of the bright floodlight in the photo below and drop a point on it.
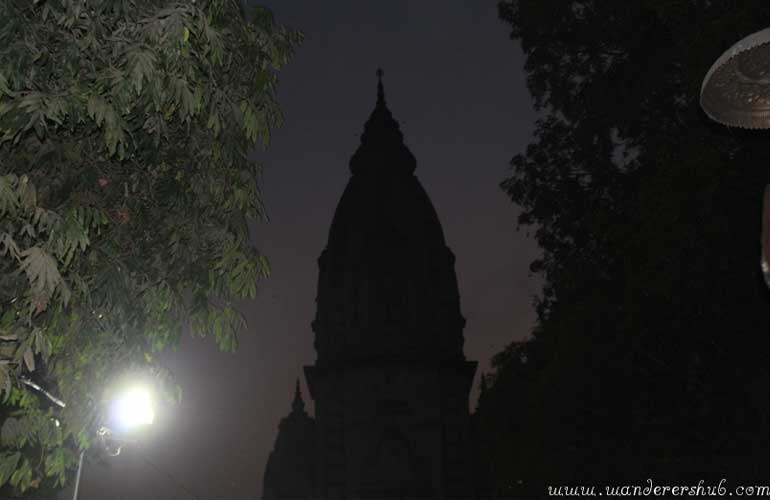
(134, 408)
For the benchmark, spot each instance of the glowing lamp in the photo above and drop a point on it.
(134, 408)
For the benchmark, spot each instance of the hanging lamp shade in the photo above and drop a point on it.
(736, 90)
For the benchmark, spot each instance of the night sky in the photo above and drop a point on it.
(455, 82)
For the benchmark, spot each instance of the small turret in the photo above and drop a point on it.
(291, 467)
(298, 406)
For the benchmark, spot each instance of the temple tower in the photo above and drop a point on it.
(390, 381)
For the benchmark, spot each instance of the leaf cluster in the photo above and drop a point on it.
(125, 190)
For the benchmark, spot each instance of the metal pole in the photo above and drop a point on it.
(50, 396)
(77, 478)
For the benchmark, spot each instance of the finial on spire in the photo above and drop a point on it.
(297, 406)
(380, 90)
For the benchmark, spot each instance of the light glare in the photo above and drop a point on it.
(134, 408)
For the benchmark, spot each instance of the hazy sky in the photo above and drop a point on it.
(454, 80)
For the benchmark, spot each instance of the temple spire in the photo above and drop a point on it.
(297, 406)
(380, 89)
(382, 146)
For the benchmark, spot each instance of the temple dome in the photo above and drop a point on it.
(387, 287)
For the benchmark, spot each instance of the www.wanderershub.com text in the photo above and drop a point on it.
(700, 489)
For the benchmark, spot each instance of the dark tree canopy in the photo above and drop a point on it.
(651, 357)
(125, 188)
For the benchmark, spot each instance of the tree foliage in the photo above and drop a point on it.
(125, 187)
(650, 358)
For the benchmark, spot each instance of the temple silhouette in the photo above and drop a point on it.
(390, 381)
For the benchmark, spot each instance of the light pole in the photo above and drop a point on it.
(736, 92)
(132, 408)
(77, 478)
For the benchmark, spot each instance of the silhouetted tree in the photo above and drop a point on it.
(652, 347)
